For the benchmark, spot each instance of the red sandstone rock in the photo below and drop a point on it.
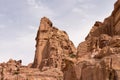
(97, 58)
(12, 70)
(52, 45)
(98, 55)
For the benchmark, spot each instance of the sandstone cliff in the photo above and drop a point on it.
(98, 56)
(52, 45)
(56, 58)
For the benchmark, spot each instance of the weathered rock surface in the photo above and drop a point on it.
(52, 45)
(98, 56)
(56, 58)
(13, 70)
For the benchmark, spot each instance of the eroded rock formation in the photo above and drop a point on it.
(98, 56)
(52, 45)
(14, 70)
(56, 58)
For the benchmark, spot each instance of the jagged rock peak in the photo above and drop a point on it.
(52, 45)
(45, 20)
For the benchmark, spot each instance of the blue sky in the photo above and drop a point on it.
(19, 21)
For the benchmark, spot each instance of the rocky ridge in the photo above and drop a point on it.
(14, 70)
(98, 56)
(56, 58)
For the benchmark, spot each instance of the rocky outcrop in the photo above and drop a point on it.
(98, 56)
(52, 45)
(13, 70)
(56, 58)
